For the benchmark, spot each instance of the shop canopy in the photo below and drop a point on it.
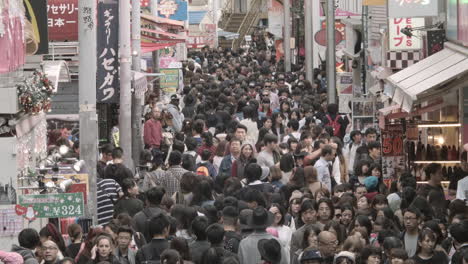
(147, 47)
(434, 71)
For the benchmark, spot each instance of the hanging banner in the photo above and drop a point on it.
(36, 13)
(62, 20)
(53, 205)
(413, 8)
(399, 41)
(275, 18)
(107, 77)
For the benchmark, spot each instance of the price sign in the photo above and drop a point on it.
(54, 205)
(392, 141)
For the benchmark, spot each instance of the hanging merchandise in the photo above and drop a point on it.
(34, 93)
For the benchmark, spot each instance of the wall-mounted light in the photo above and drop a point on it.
(438, 125)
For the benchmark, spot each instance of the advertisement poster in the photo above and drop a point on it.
(170, 82)
(55, 205)
(173, 9)
(107, 77)
(345, 91)
(62, 20)
(10, 223)
(393, 158)
(399, 41)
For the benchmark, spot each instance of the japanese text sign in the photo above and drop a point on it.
(53, 205)
(399, 41)
(107, 78)
(62, 20)
(392, 141)
(413, 8)
(170, 82)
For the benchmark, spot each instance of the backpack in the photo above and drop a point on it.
(202, 170)
(334, 123)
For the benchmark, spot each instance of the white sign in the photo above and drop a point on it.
(413, 8)
(398, 41)
(275, 18)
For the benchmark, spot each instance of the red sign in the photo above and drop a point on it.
(62, 20)
(392, 141)
(321, 37)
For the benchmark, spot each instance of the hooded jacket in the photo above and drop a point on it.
(27, 254)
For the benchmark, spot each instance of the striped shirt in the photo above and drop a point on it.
(107, 194)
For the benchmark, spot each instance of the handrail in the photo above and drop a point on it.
(226, 13)
(251, 17)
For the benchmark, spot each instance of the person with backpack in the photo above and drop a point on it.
(28, 240)
(150, 253)
(333, 119)
(205, 167)
(154, 197)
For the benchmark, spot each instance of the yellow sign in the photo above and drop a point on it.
(374, 2)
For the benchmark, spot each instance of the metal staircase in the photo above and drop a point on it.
(250, 20)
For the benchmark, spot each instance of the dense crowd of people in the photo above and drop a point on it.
(248, 164)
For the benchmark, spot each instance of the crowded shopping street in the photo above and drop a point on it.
(234, 132)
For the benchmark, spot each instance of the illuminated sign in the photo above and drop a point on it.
(413, 8)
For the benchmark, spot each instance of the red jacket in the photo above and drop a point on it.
(152, 133)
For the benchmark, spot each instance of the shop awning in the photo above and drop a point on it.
(161, 20)
(413, 82)
(163, 33)
(196, 17)
(57, 72)
(150, 47)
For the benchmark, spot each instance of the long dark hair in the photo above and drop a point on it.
(50, 230)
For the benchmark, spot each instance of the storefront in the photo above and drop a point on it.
(428, 97)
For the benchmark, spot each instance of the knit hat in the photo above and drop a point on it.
(345, 254)
(295, 195)
(371, 183)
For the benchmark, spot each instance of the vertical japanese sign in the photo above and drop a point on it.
(393, 157)
(36, 13)
(107, 77)
(62, 20)
(399, 41)
(344, 85)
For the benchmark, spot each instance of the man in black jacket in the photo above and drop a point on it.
(159, 230)
(153, 200)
